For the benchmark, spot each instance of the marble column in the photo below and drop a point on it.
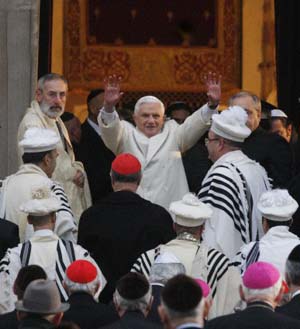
(19, 35)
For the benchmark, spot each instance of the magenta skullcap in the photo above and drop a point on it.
(261, 275)
(204, 286)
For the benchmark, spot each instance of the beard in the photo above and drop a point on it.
(52, 112)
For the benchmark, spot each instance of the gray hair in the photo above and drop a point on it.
(241, 94)
(135, 304)
(90, 288)
(162, 272)
(147, 100)
(50, 77)
(271, 292)
(292, 272)
(192, 313)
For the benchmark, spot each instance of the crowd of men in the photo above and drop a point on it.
(99, 228)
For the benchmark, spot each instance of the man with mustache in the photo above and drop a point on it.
(45, 112)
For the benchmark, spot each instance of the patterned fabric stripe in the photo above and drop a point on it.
(218, 266)
(223, 193)
(253, 255)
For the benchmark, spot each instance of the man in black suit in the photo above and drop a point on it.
(92, 152)
(133, 300)
(9, 236)
(123, 225)
(269, 149)
(165, 267)
(26, 275)
(82, 284)
(292, 275)
(262, 290)
(182, 304)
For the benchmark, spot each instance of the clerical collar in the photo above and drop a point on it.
(297, 292)
(189, 325)
(187, 237)
(260, 303)
(94, 126)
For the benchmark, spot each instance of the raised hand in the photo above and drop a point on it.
(112, 93)
(213, 85)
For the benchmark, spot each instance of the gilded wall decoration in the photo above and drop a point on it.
(149, 61)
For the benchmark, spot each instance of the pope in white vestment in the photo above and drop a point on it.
(157, 144)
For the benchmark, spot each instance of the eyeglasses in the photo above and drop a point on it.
(208, 140)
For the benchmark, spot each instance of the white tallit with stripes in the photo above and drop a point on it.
(200, 262)
(49, 252)
(16, 189)
(232, 186)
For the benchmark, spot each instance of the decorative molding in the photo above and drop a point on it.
(142, 68)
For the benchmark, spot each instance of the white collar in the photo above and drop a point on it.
(296, 293)
(94, 126)
(188, 325)
(45, 232)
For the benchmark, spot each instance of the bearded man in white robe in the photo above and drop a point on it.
(232, 186)
(45, 112)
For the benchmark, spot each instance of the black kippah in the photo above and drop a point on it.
(132, 286)
(181, 293)
(294, 255)
(66, 116)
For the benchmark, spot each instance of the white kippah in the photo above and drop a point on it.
(276, 113)
(37, 140)
(277, 205)
(231, 124)
(190, 211)
(42, 201)
(146, 100)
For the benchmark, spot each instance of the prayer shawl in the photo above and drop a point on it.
(163, 179)
(46, 250)
(203, 263)
(274, 247)
(17, 188)
(233, 187)
(66, 166)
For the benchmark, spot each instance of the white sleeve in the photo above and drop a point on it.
(9, 269)
(193, 128)
(65, 226)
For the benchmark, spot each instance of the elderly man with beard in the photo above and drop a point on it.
(45, 112)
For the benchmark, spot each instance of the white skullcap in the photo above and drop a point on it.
(166, 258)
(42, 201)
(276, 113)
(37, 140)
(147, 100)
(277, 205)
(190, 211)
(231, 124)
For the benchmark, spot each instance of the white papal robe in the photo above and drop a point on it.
(233, 186)
(66, 166)
(274, 247)
(163, 179)
(47, 251)
(17, 189)
(200, 262)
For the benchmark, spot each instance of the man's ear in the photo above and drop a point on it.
(38, 95)
(207, 306)
(242, 293)
(278, 298)
(57, 318)
(162, 314)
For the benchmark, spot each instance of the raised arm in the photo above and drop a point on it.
(197, 124)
